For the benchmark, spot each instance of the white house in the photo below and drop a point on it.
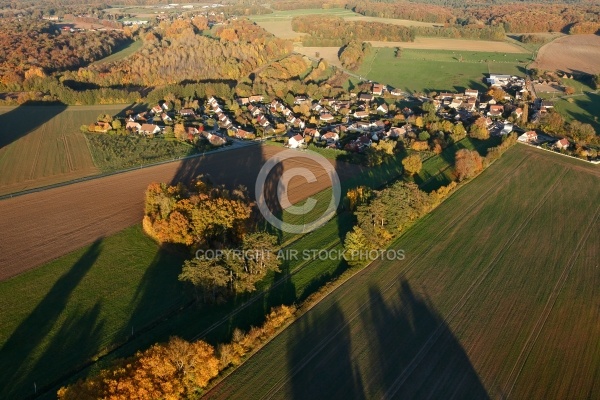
(295, 141)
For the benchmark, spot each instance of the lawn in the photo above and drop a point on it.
(497, 297)
(585, 108)
(121, 53)
(438, 70)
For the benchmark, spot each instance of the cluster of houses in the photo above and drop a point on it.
(327, 120)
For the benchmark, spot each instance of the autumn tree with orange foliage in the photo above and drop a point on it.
(175, 370)
(197, 215)
(467, 164)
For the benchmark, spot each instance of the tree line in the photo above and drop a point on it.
(177, 369)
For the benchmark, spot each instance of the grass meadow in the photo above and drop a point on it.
(496, 297)
(438, 70)
(121, 53)
(584, 108)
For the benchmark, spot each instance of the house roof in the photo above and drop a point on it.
(298, 138)
(148, 127)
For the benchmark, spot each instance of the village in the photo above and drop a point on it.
(373, 114)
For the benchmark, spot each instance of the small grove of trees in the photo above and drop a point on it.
(389, 213)
(467, 164)
(177, 369)
(198, 216)
(353, 54)
(233, 270)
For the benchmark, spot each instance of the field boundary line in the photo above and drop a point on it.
(466, 295)
(449, 224)
(549, 306)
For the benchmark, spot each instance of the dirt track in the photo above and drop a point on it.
(39, 227)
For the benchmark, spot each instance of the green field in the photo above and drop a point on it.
(42, 145)
(57, 317)
(584, 109)
(438, 70)
(497, 297)
(121, 53)
(289, 14)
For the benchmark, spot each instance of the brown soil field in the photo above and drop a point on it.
(281, 29)
(426, 43)
(329, 54)
(39, 227)
(575, 53)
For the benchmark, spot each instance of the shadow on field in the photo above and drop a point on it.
(18, 370)
(413, 353)
(405, 350)
(320, 365)
(23, 119)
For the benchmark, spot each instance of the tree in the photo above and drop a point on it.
(424, 136)
(180, 132)
(497, 93)
(478, 129)
(412, 164)
(467, 164)
(208, 276)
(355, 247)
(525, 115)
(458, 132)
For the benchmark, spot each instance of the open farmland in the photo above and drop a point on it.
(439, 70)
(497, 298)
(428, 43)
(41, 145)
(573, 53)
(279, 23)
(60, 220)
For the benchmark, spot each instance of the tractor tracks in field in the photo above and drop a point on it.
(548, 307)
(449, 225)
(36, 158)
(467, 294)
(68, 153)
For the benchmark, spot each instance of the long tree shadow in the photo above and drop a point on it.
(320, 364)
(23, 119)
(414, 353)
(18, 353)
